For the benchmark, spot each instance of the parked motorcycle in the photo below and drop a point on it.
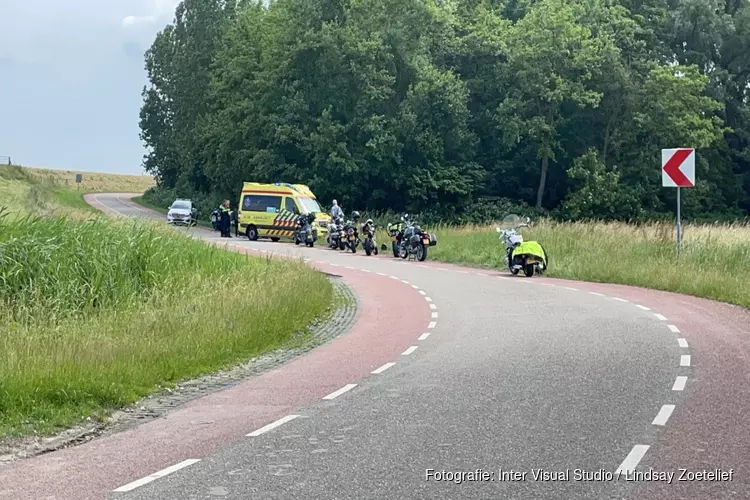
(216, 219)
(304, 232)
(335, 231)
(352, 234)
(415, 240)
(368, 233)
(396, 231)
(528, 256)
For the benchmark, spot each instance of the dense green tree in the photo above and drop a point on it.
(448, 106)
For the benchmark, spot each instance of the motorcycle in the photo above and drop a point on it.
(304, 232)
(334, 233)
(415, 240)
(369, 243)
(396, 231)
(352, 234)
(528, 256)
(216, 219)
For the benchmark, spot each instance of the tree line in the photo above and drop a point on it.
(455, 109)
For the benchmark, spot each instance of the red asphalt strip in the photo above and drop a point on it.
(92, 470)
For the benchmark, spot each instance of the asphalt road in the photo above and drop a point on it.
(511, 377)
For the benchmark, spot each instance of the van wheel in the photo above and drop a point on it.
(252, 233)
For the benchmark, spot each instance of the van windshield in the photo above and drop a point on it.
(309, 205)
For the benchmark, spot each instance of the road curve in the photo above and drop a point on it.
(476, 371)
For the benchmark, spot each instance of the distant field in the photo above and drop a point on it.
(95, 182)
(96, 313)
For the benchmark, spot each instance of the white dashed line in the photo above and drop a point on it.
(434, 315)
(685, 360)
(381, 274)
(462, 272)
(422, 292)
(673, 328)
(679, 383)
(334, 265)
(642, 307)
(335, 394)
(409, 350)
(365, 270)
(405, 282)
(382, 368)
(631, 461)
(432, 324)
(395, 278)
(415, 287)
(272, 425)
(481, 274)
(683, 343)
(433, 306)
(570, 288)
(620, 300)
(424, 336)
(663, 415)
(597, 294)
(422, 265)
(660, 317)
(157, 475)
(428, 299)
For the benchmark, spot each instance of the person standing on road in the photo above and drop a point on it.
(225, 219)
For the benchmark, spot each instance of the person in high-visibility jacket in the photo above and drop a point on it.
(225, 219)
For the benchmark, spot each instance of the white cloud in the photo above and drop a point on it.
(155, 10)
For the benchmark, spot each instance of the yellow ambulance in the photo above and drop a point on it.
(271, 210)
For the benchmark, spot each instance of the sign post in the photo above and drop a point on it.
(678, 170)
(79, 179)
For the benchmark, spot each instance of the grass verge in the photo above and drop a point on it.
(96, 313)
(714, 262)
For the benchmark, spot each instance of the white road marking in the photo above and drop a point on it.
(597, 294)
(660, 317)
(405, 282)
(365, 270)
(432, 324)
(334, 265)
(462, 272)
(272, 425)
(157, 475)
(481, 274)
(663, 415)
(409, 350)
(422, 265)
(683, 343)
(570, 288)
(395, 278)
(415, 287)
(422, 292)
(631, 461)
(673, 328)
(428, 299)
(424, 336)
(335, 394)
(382, 368)
(685, 360)
(381, 274)
(679, 383)
(642, 307)
(442, 269)
(434, 315)
(621, 300)
(433, 306)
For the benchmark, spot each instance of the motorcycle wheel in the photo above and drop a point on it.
(353, 247)
(528, 270)
(296, 241)
(402, 252)
(342, 245)
(514, 271)
(422, 253)
(368, 248)
(394, 247)
(375, 249)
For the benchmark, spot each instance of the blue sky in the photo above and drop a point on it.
(71, 75)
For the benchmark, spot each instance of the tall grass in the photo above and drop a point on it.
(714, 261)
(95, 314)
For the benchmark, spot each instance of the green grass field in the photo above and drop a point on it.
(96, 313)
(714, 262)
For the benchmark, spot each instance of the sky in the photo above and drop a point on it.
(71, 76)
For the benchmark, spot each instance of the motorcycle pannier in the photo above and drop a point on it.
(433, 240)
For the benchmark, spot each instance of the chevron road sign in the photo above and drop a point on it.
(678, 170)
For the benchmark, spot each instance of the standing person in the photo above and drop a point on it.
(225, 219)
(336, 211)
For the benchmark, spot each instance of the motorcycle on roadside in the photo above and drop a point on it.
(334, 233)
(368, 233)
(352, 233)
(304, 232)
(415, 241)
(528, 256)
(396, 231)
